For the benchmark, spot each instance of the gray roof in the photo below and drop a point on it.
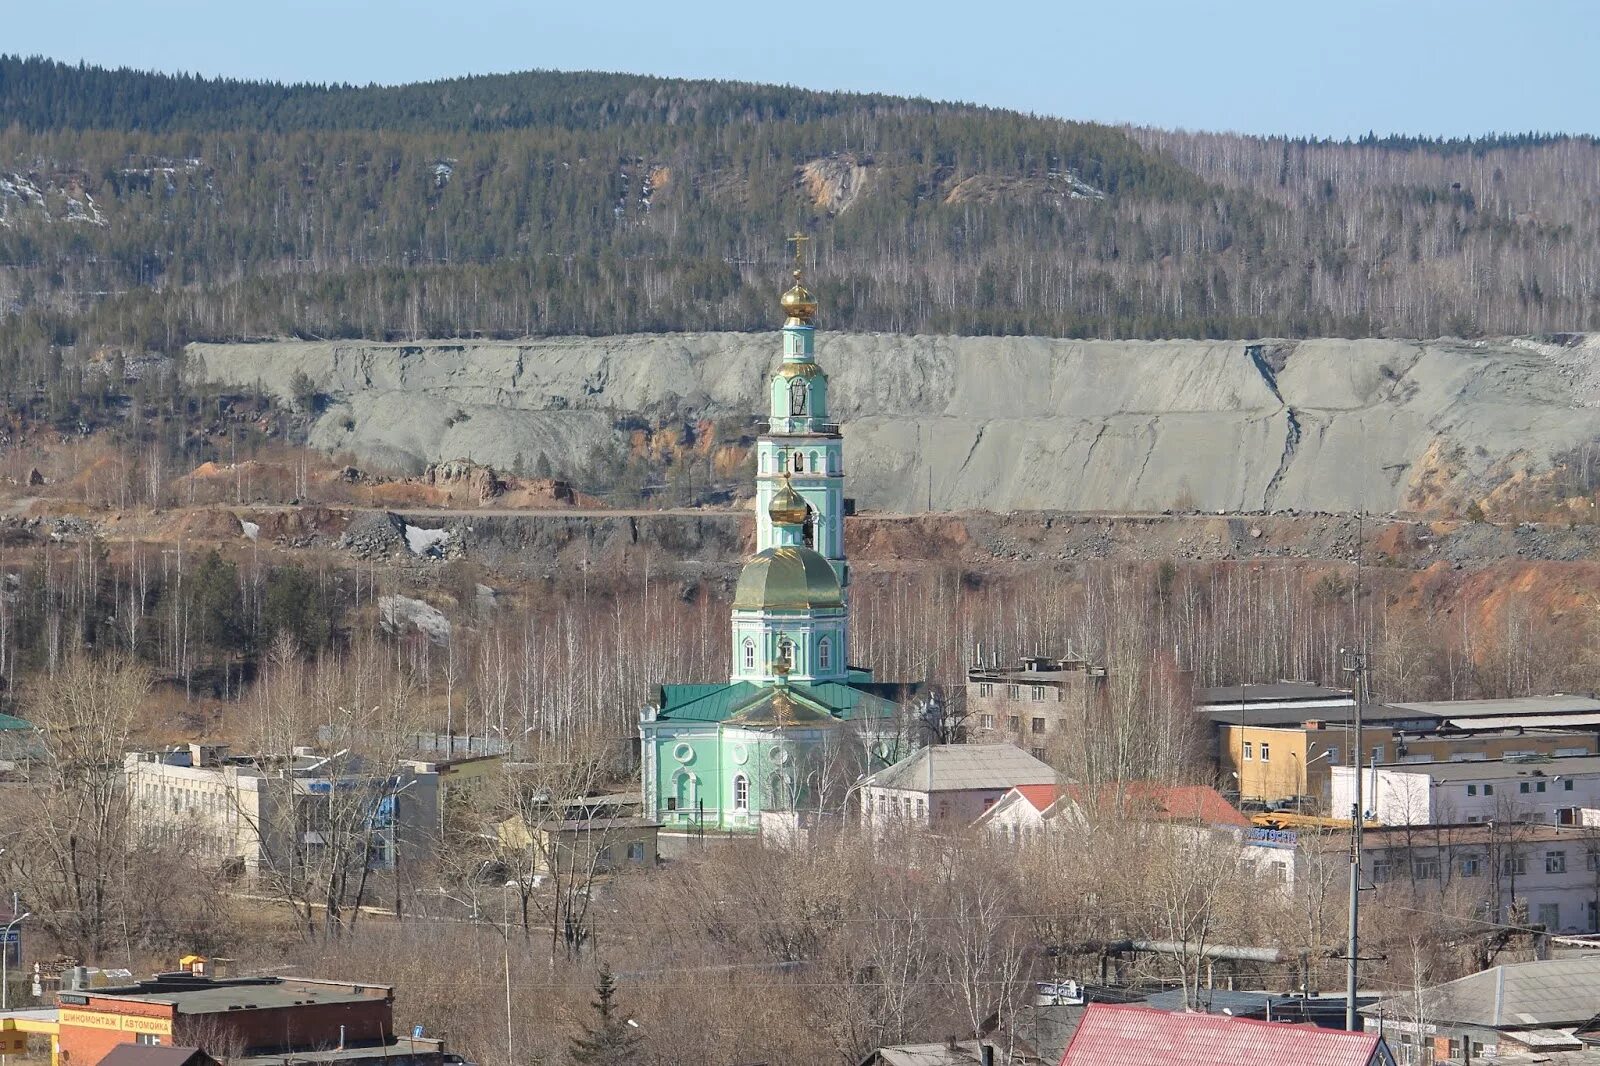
(964, 1053)
(1499, 769)
(1525, 995)
(236, 994)
(1275, 692)
(964, 768)
(1512, 708)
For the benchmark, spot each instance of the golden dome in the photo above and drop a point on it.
(788, 507)
(798, 303)
(787, 578)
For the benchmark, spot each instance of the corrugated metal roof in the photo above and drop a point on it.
(1276, 692)
(963, 767)
(1116, 1035)
(8, 721)
(1558, 703)
(1483, 724)
(1524, 995)
(1490, 769)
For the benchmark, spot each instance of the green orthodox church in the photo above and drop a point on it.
(795, 725)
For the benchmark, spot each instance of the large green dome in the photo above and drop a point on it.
(787, 578)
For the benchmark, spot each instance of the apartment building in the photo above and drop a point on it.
(1555, 870)
(1035, 705)
(250, 809)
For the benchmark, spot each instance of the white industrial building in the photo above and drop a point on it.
(1538, 789)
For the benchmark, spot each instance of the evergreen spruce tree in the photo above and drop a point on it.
(609, 1040)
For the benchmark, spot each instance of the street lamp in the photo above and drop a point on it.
(505, 920)
(5, 958)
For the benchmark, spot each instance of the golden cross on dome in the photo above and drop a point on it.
(799, 241)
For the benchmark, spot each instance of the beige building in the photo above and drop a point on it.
(1036, 705)
(586, 843)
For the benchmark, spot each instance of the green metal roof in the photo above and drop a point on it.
(8, 721)
(716, 703)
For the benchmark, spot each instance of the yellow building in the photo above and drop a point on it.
(1278, 762)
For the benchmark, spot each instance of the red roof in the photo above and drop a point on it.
(1115, 1035)
(1173, 803)
(1041, 796)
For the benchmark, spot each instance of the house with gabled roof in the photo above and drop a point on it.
(1520, 1007)
(948, 784)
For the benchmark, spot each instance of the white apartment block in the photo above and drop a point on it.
(252, 811)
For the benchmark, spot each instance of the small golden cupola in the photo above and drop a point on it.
(788, 507)
(799, 306)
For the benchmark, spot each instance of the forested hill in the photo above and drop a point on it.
(139, 212)
(42, 95)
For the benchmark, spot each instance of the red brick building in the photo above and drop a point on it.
(238, 1019)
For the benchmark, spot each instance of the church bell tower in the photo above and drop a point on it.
(800, 441)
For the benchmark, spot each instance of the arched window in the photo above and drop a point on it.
(797, 396)
(816, 461)
(763, 462)
(749, 654)
(741, 792)
(799, 462)
(809, 528)
(786, 651)
(779, 792)
(825, 655)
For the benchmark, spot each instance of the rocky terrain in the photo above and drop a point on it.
(1013, 423)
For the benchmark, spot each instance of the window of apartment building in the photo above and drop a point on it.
(1472, 790)
(1513, 865)
(146, 1038)
(1332, 755)
(1382, 870)
(1592, 862)
(1014, 722)
(986, 689)
(1038, 725)
(1555, 862)
(1538, 786)
(1425, 869)
(1550, 915)
(1266, 750)
(1249, 750)
(1280, 870)
(1488, 790)
(986, 720)
(636, 851)
(1566, 785)
(1038, 693)
(1037, 753)
(1013, 692)
(1522, 787)
(1470, 866)
(1377, 753)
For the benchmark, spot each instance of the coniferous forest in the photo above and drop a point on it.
(139, 212)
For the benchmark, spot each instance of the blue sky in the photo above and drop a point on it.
(1330, 68)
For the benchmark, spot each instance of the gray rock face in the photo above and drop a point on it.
(995, 423)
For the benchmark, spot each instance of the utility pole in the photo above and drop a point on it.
(1355, 663)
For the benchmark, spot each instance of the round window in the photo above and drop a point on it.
(739, 753)
(683, 752)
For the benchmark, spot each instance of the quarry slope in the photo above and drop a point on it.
(1024, 423)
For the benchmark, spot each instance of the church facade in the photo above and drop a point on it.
(795, 725)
